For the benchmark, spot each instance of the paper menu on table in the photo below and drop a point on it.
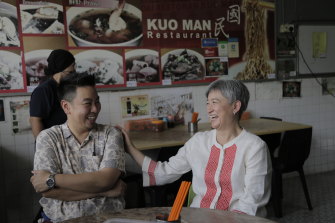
(126, 220)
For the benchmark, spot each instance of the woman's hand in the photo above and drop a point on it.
(130, 148)
(128, 143)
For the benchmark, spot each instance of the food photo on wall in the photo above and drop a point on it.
(37, 49)
(105, 65)
(117, 25)
(183, 64)
(142, 65)
(11, 76)
(9, 35)
(216, 66)
(36, 62)
(42, 17)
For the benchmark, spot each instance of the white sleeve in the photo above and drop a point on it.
(257, 181)
(160, 173)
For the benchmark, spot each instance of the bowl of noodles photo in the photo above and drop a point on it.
(121, 26)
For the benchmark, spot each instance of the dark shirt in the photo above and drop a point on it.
(44, 103)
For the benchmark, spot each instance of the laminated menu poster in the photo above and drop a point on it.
(216, 66)
(19, 111)
(328, 86)
(291, 89)
(133, 106)
(177, 104)
(174, 31)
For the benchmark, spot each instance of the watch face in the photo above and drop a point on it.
(50, 183)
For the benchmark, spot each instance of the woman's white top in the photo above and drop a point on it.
(234, 177)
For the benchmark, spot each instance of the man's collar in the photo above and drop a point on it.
(68, 133)
(66, 130)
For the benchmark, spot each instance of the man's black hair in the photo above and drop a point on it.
(69, 84)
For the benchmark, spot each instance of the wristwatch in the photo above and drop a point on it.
(51, 183)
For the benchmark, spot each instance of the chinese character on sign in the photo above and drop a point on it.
(234, 14)
(219, 27)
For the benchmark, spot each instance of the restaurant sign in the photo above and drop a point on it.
(134, 43)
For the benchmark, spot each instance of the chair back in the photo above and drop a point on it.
(190, 197)
(294, 149)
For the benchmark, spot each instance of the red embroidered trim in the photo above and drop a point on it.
(211, 167)
(225, 178)
(237, 211)
(151, 172)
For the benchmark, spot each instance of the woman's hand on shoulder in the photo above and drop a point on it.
(128, 144)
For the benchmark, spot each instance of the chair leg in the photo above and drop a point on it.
(157, 196)
(280, 183)
(304, 185)
(276, 194)
(38, 215)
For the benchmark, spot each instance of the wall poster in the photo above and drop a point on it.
(132, 106)
(178, 104)
(130, 43)
(19, 111)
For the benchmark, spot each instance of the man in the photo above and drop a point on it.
(78, 164)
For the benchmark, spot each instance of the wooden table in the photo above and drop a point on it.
(178, 135)
(188, 215)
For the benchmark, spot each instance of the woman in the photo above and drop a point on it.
(45, 109)
(231, 167)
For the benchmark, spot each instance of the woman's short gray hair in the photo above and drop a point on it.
(233, 90)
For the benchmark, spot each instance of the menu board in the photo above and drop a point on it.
(131, 43)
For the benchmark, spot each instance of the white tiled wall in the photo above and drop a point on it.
(18, 202)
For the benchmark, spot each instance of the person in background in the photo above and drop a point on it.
(78, 165)
(231, 167)
(45, 109)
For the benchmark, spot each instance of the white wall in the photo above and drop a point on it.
(18, 202)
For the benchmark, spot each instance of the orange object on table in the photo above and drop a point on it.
(156, 125)
(245, 115)
(195, 117)
(147, 124)
(179, 201)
